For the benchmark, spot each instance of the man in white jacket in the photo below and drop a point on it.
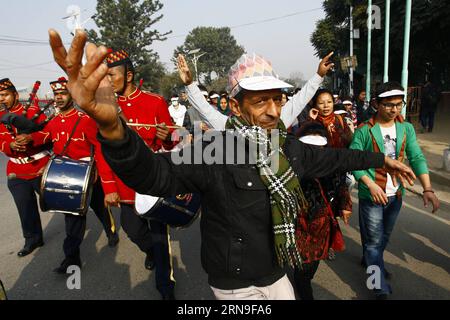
(216, 120)
(177, 111)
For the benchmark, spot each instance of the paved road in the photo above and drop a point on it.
(418, 257)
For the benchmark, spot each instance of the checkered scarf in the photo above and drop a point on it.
(286, 195)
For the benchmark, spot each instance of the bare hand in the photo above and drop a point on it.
(399, 171)
(184, 71)
(431, 197)
(88, 84)
(325, 65)
(346, 216)
(313, 113)
(204, 126)
(112, 200)
(162, 132)
(24, 139)
(378, 194)
(17, 147)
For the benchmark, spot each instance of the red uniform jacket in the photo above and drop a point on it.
(58, 131)
(29, 170)
(145, 108)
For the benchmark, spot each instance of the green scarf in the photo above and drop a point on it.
(286, 194)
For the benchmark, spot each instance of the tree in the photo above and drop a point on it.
(296, 79)
(128, 24)
(169, 84)
(220, 46)
(430, 43)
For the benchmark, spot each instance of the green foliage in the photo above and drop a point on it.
(430, 27)
(220, 46)
(128, 24)
(169, 84)
(219, 84)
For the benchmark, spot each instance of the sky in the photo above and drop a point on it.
(284, 41)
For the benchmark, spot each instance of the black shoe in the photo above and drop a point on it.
(67, 262)
(149, 262)
(27, 249)
(113, 240)
(168, 296)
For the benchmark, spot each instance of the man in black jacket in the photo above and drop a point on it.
(246, 224)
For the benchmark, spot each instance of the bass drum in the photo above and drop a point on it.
(66, 186)
(178, 212)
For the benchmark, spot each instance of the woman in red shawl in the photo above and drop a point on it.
(339, 135)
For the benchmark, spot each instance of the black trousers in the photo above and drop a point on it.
(152, 237)
(303, 280)
(427, 119)
(24, 194)
(76, 225)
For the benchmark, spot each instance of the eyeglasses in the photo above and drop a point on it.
(390, 106)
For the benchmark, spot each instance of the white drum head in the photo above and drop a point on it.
(144, 203)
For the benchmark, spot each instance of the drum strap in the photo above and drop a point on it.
(70, 137)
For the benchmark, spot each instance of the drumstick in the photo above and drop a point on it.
(150, 125)
(13, 176)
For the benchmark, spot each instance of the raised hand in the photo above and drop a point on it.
(325, 65)
(88, 84)
(313, 113)
(184, 71)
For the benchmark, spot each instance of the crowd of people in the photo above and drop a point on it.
(258, 220)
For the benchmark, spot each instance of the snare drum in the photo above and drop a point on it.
(66, 186)
(178, 211)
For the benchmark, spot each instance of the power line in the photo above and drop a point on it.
(260, 21)
(274, 19)
(31, 66)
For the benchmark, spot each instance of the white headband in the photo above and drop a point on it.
(314, 140)
(347, 102)
(214, 96)
(340, 112)
(392, 93)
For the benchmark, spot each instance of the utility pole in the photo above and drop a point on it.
(195, 61)
(351, 52)
(369, 50)
(406, 49)
(386, 41)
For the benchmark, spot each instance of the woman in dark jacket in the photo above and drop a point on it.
(317, 228)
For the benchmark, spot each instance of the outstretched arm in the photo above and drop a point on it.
(314, 162)
(213, 118)
(295, 106)
(124, 150)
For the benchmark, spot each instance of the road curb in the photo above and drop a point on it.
(439, 177)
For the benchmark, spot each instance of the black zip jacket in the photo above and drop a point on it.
(236, 224)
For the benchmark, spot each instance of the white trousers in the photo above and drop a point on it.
(280, 290)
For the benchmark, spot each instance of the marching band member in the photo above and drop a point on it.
(147, 108)
(26, 164)
(81, 130)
